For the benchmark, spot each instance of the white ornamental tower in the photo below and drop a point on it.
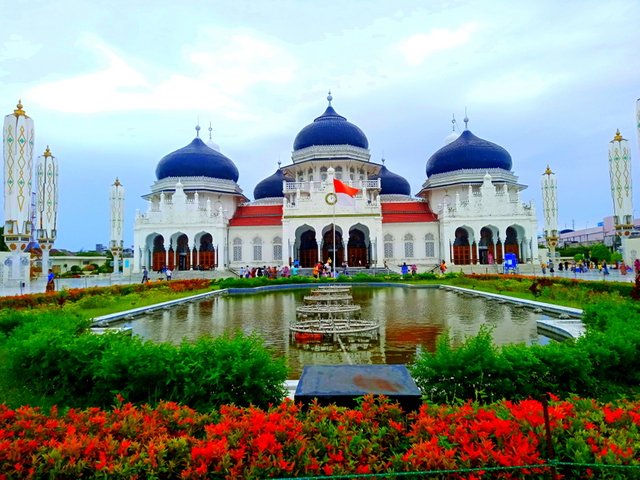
(116, 244)
(46, 204)
(17, 139)
(550, 210)
(621, 191)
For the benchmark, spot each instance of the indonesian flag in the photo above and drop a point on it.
(345, 193)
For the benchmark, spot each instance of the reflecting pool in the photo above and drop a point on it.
(411, 319)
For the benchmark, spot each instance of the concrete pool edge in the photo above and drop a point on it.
(570, 326)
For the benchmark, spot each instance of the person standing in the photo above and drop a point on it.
(145, 275)
(168, 273)
(443, 267)
(51, 285)
(404, 269)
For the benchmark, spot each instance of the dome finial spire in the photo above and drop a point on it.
(453, 122)
(198, 127)
(466, 119)
(210, 130)
(329, 97)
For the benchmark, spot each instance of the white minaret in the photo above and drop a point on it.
(116, 244)
(550, 210)
(46, 204)
(17, 140)
(621, 191)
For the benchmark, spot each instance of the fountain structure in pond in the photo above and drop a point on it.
(329, 318)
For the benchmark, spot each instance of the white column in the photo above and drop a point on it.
(621, 190)
(550, 210)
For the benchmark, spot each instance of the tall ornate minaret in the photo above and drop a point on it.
(621, 191)
(116, 244)
(46, 204)
(17, 139)
(550, 210)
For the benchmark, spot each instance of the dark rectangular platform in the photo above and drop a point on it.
(342, 384)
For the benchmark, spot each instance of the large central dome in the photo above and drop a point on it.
(196, 160)
(468, 152)
(330, 129)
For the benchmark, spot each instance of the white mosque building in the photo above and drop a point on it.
(468, 211)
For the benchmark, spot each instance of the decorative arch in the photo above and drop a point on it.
(257, 248)
(180, 253)
(514, 236)
(487, 245)
(204, 257)
(306, 246)
(158, 252)
(329, 250)
(359, 246)
(461, 246)
(277, 248)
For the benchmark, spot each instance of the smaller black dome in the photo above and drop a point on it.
(392, 183)
(271, 186)
(468, 151)
(330, 129)
(196, 160)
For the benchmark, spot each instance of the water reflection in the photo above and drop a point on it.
(410, 320)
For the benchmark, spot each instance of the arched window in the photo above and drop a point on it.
(237, 249)
(388, 246)
(408, 245)
(323, 173)
(429, 245)
(310, 174)
(277, 248)
(338, 173)
(352, 173)
(257, 249)
(361, 173)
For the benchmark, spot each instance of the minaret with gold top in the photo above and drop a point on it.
(116, 244)
(621, 191)
(17, 141)
(550, 210)
(46, 204)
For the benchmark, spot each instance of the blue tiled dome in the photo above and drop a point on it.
(468, 151)
(392, 183)
(271, 186)
(196, 160)
(330, 129)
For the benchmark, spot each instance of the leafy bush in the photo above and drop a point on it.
(54, 357)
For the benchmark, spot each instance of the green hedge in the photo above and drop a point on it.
(603, 364)
(52, 356)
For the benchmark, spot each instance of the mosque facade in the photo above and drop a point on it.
(468, 211)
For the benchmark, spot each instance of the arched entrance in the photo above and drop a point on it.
(158, 254)
(308, 249)
(328, 251)
(357, 248)
(461, 247)
(511, 243)
(206, 256)
(486, 247)
(182, 251)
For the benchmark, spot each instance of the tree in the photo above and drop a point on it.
(600, 252)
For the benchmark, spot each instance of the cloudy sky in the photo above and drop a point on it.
(113, 86)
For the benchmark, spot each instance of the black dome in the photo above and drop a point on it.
(468, 151)
(196, 160)
(392, 183)
(330, 129)
(271, 186)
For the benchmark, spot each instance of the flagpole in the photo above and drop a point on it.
(334, 242)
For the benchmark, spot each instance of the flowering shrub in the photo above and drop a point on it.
(172, 441)
(59, 298)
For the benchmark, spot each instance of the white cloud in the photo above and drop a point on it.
(416, 48)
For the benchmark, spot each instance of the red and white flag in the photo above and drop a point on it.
(346, 194)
